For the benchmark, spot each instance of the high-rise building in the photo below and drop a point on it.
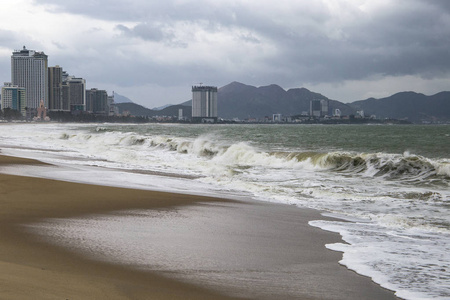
(204, 103)
(113, 109)
(14, 97)
(97, 101)
(55, 96)
(74, 94)
(29, 70)
(319, 108)
(65, 95)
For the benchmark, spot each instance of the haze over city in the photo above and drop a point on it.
(153, 52)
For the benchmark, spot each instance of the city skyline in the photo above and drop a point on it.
(153, 52)
(36, 88)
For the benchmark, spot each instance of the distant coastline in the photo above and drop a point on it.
(240, 103)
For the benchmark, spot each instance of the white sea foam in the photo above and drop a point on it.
(411, 262)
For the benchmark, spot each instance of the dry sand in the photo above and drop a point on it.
(31, 268)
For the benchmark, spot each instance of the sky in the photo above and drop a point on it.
(154, 51)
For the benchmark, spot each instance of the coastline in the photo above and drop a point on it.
(33, 267)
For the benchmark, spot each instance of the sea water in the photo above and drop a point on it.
(390, 183)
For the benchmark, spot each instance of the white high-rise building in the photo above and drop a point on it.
(204, 103)
(29, 70)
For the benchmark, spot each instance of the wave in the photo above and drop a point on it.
(390, 166)
(405, 167)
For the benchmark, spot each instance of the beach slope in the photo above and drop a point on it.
(30, 267)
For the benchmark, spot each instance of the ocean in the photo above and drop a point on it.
(388, 185)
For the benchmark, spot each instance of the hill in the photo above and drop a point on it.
(237, 100)
(121, 99)
(139, 110)
(417, 108)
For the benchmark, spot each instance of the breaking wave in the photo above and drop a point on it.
(405, 167)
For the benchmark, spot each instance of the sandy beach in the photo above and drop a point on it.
(30, 267)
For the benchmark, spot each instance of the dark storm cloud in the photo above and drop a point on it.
(412, 39)
(313, 43)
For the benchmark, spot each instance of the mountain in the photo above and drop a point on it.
(237, 100)
(139, 110)
(187, 103)
(121, 99)
(134, 109)
(173, 111)
(415, 107)
(161, 107)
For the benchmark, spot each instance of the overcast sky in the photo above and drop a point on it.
(154, 51)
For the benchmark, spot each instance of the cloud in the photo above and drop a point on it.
(152, 32)
(174, 43)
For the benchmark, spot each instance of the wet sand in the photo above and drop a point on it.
(31, 267)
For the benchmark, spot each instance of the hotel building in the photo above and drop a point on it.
(74, 94)
(55, 96)
(204, 104)
(319, 108)
(29, 70)
(97, 101)
(14, 97)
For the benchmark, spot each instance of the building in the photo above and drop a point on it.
(204, 104)
(113, 109)
(29, 70)
(97, 102)
(360, 114)
(319, 108)
(55, 89)
(65, 94)
(74, 94)
(276, 118)
(337, 113)
(14, 97)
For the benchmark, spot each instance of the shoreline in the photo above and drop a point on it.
(33, 267)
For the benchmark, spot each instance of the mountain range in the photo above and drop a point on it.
(238, 100)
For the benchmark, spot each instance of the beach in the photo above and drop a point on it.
(31, 267)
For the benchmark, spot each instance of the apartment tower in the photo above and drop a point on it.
(204, 104)
(13, 97)
(73, 94)
(55, 88)
(97, 102)
(29, 70)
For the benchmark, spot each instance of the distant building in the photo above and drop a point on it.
(360, 114)
(204, 104)
(29, 70)
(65, 95)
(74, 94)
(13, 97)
(276, 118)
(113, 109)
(97, 102)
(41, 113)
(319, 108)
(325, 108)
(55, 89)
